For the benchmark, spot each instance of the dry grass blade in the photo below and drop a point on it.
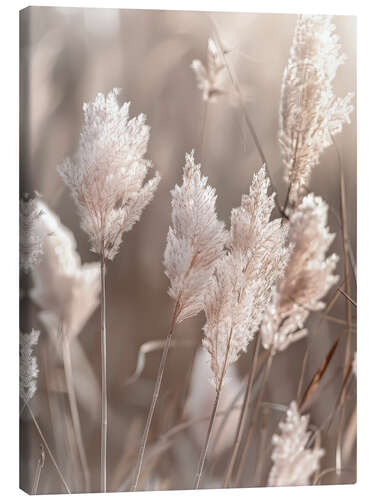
(58, 470)
(155, 396)
(163, 442)
(245, 404)
(353, 302)
(315, 381)
(267, 370)
(304, 362)
(341, 396)
(329, 471)
(146, 348)
(350, 437)
(38, 471)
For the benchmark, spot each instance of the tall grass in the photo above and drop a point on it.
(266, 278)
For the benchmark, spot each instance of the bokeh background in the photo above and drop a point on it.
(67, 55)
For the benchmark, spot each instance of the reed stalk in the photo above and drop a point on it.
(241, 422)
(204, 451)
(254, 419)
(67, 359)
(104, 401)
(155, 396)
(48, 449)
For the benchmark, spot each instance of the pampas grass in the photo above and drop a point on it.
(257, 285)
(106, 178)
(195, 243)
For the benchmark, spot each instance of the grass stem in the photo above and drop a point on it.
(241, 422)
(74, 411)
(48, 448)
(155, 396)
(104, 401)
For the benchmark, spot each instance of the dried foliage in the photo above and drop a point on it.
(195, 240)
(65, 290)
(106, 174)
(308, 277)
(310, 113)
(31, 242)
(208, 79)
(293, 462)
(264, 276)
(28, 365)
(241, 288)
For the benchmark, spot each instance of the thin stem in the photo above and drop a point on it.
(305, 357)
(74, 411)
(345, 239)
(241, 423)
(39, 468)
(155, 396)
(203, 130)
(255, 416)
(103, 338)
(165, 440)
(240, 392)
(248, 121)
(48, 449)
(262, 447)
(353, 302)
(204, 451)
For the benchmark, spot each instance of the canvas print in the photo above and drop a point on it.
(187, 250)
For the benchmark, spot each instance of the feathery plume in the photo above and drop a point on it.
(68, 293)
(310, 113)
(240, 290)
(195, 243)
(293, 463)
(308, 276)
(28, 365)
(107, 172)
(208, 79)
(64, 289)
(31, 242)
(241, 287)
(195, 240)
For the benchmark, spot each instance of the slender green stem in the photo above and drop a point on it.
(155, 396)
(74, 410)
(254, 419)
(104, 402)
(48, 448)
(241, 422)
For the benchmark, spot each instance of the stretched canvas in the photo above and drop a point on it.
(187, 250)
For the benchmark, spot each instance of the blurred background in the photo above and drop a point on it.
(67, 56)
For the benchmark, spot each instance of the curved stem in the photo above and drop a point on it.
(155, 396)
(104, 403)
(241, 423)
(48, 449)
(255, 416)
(74, 411)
